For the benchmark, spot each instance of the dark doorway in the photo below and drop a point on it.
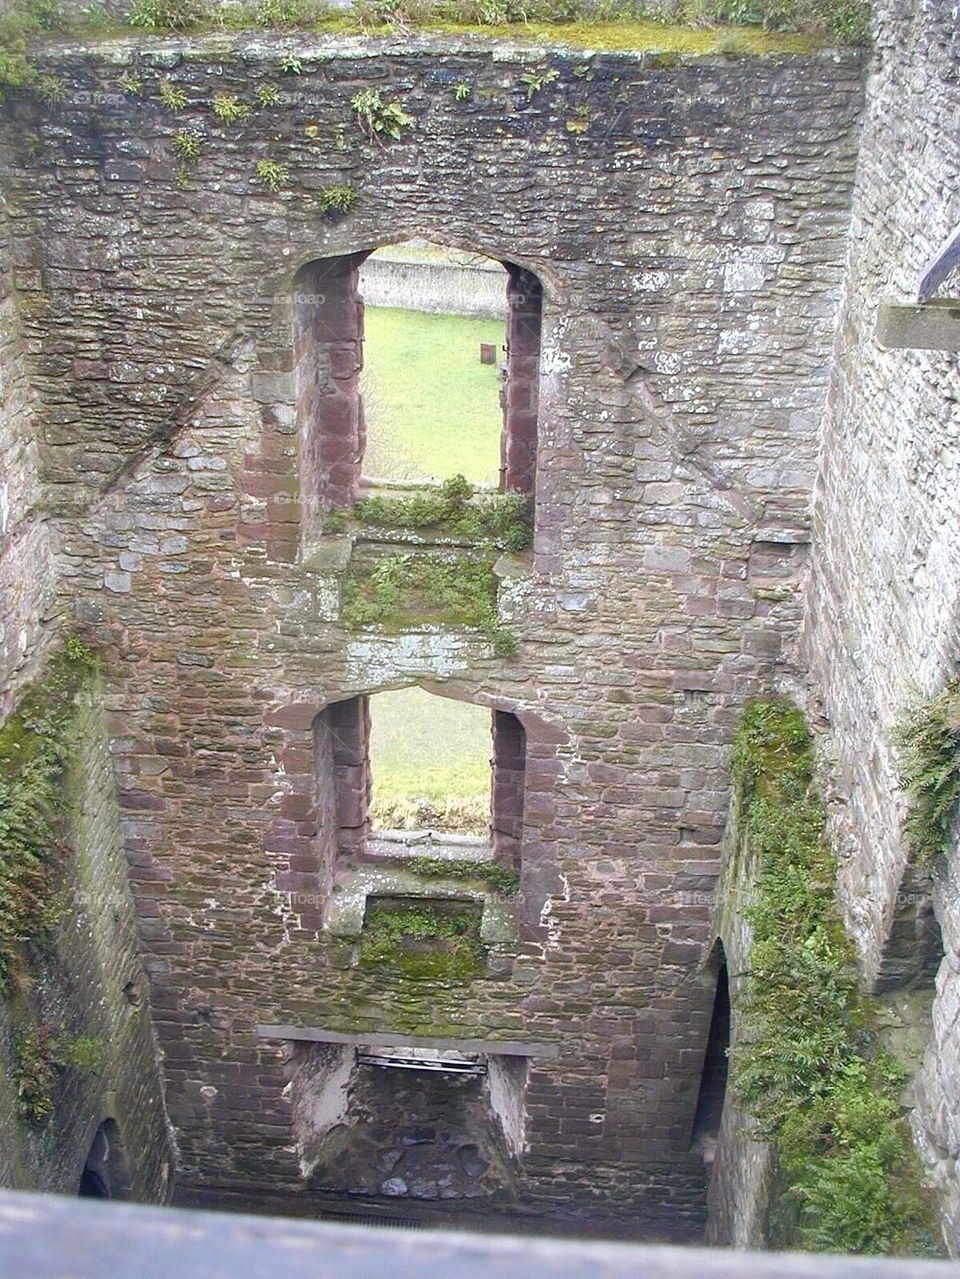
(713, 1079)
(106, 1174)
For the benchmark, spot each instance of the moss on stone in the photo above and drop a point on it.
(423, 941)
(501, 520)
(408, 589)
(502, 879)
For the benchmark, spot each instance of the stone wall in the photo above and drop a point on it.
(27, 574)
(454, 284)
(689, 234)
(882, 626)
(90, 985)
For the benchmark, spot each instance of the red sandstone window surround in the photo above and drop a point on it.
(344, 782)
(328, 357)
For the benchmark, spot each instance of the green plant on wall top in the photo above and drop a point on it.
(377, 118)
(501, 519)
(33, 752)
(502, 879)
(929, 743)
(692, 25)
(165, 15)
(280, 13)
(806, 1063)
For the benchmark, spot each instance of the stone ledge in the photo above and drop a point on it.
(931, 326)
(373, 1039)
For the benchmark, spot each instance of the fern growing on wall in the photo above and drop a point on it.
(33, 752)
(929, 743)
(807, 1063)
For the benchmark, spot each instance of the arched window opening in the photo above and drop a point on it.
(106, 1174)
(433, 364)
(410, 771)
(439, 377)
(713, 1078)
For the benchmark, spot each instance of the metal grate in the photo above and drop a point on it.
(374, 1220)
(440, 1065)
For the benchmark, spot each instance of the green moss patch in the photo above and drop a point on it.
(422, 940)
(694, 26)
(808, 1065)
(411, 589)
(34, 743)
(40, 1056)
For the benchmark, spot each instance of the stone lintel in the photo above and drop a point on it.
(373, 1039)
(933, 326)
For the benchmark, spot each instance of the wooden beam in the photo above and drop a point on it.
(939, 266)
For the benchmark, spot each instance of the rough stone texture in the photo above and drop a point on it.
(883, 622)
(27, 575)
(690, 242)
(93, 985)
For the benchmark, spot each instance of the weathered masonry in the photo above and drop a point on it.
(184, 349)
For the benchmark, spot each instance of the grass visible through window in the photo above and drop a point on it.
(430, 758)
(432, 409)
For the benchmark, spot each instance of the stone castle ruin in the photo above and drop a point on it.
(729, 391)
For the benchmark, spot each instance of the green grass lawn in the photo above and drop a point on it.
(429, 752)
(432, 409)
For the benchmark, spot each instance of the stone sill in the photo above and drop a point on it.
(387, 1039)
(398, 845)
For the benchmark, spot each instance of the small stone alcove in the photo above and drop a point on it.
(405, 1120)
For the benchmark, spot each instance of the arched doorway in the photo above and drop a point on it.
(106, 1174)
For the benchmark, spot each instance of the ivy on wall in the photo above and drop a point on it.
(807, 1063)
